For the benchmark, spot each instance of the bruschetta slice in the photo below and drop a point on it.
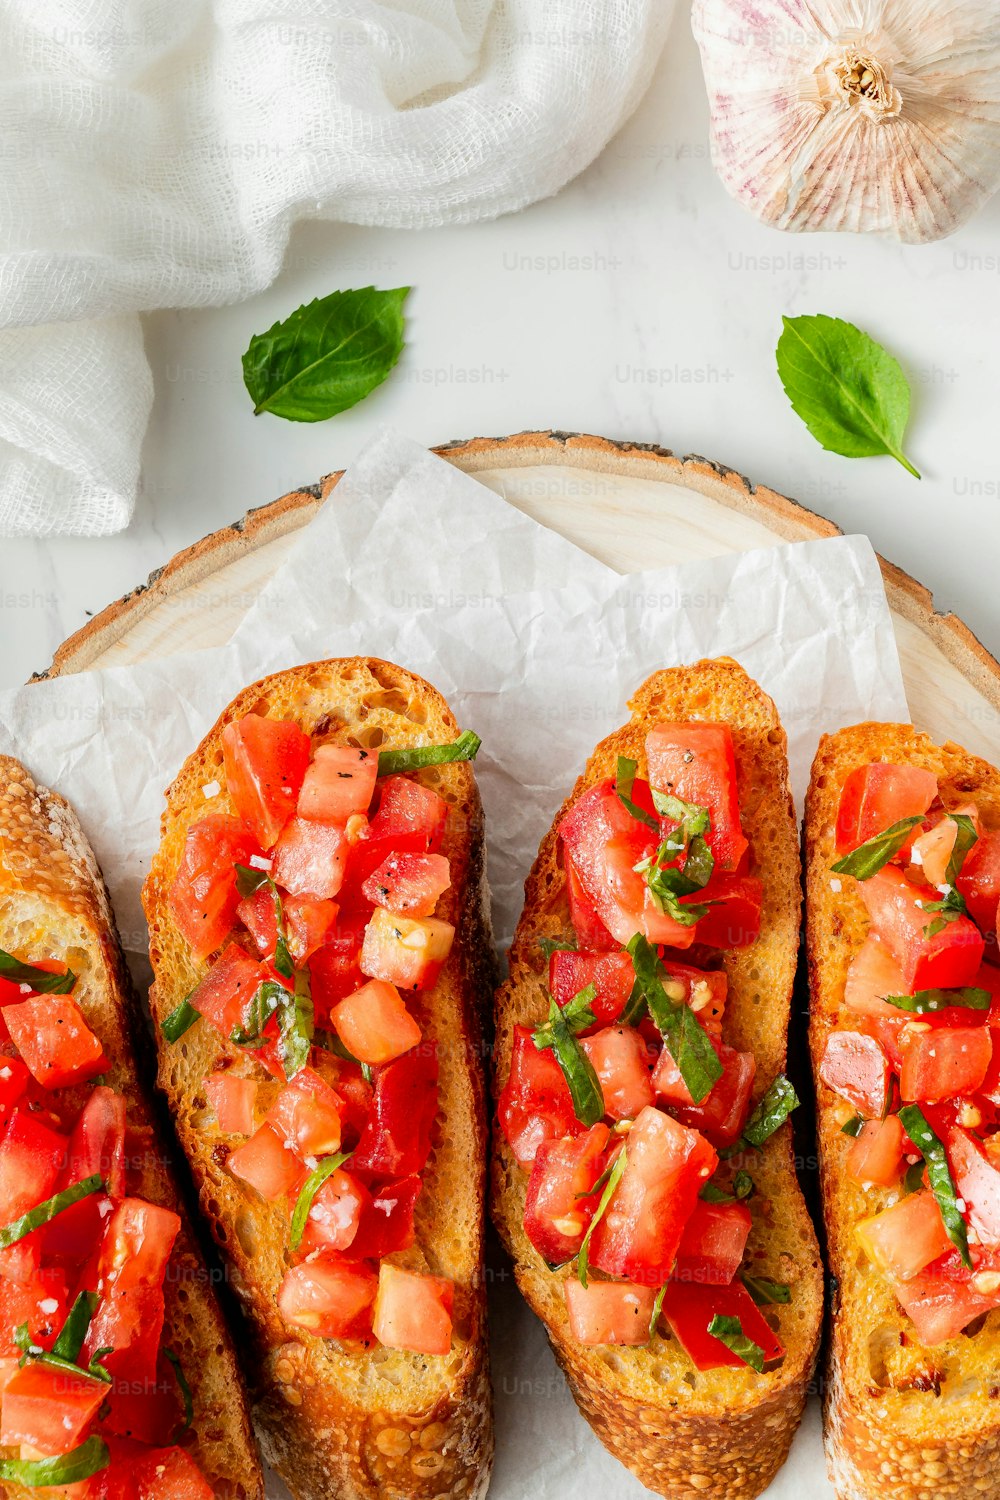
(321, 951)
(643, 1174)
(118, 1376)
(902, 842)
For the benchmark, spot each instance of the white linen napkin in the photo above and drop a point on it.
(155, 153)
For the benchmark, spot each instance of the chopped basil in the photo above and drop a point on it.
(577, 1014)
(74, 1330)
(41, 980)
(296, 1024)
(925, 1001)
(557, 945)
(635, 1007)
(763, 1290)
(950, 908)
(713, 1194)
(89, 1458)
(185, 1389)
(654, 1316)
(179, 1021)
(668, 883)
(624, 782)
(577, 1069)
(250, 880)
(392, 762)
(729, 1331)
(692, 820)
(743, 1187)
(772, 1112)
(311, 1187)
(45, 1212)
(611, 1178)
(683, 1034)
(31, 1350)
(914, 1179)
(329, 1041)
(939, 1176)
(965, 837)
(854, 1126)
(868, 858)
(266, 1000)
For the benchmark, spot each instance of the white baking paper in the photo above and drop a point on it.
(537, 646)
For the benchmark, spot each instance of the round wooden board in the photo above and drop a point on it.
(631, 505)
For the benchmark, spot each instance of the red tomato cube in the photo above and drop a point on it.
(309, 924)
(309, 859)
(13, 1082)
(535, 1104)
(876, 1155)
(559, 1203)
(97, 1145)
(41, 1301)
(856, 1068)
(386, 1223)
(948, 960)
(224, 993)
(48, 1408)
(945, 1061)
(977, 1182)
(413, 1311)
(405, 951)
(875, 797)
(335, 1214)
(939, 1303)
(611, 974)
(697, 763)
(128, 1323)
(713, 1242)
(733, 916)
(203, 898)
(168, 1473)
(689, 1309)
(410, 819)
(267, 1165)
(137, 1244)
(609, 1312)
(265, 761)
(979, 880)
(233, 1102)
(618, 1057)
(901, 1240)
(31, 1160)
(590, 930)
(722, 1114)
(872, 974)
(374, 1023)
(704, 990)
(307, 1115)
(396, 1139)
(338, 784)
(327, 1298)
(55, 1041)
(409, 884)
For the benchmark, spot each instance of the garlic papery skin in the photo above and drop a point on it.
(861, 115)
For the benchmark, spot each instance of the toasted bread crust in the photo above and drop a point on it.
(53, 904)
(720, 1433)
(335, 1419)
(901, 1421)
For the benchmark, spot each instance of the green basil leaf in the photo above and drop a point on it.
(296, 1024)
(770, 1114)
(310, 1188)
(268, 998)
(44, 1213)
(939, 1176)
(849, 391)
(868, 858)
(179, 1021)
(624, 782)
(41, 981)
(89, 1458)
(763, 1290)
(185, 1389)
(683, 1034)
(654, 1316)
(327, 355)
(557, 945)
(635, 1006)
(950, 908)
(914, 1178)
(250, 880)
(926, 1001)
(577, 1015)
(853, 1126)
(691, 819)
(577, 1069)
(743, 1185)
(713, 1194)
(613, 1178)
(38, 1355)
(965, 837)
(729, 1331)
(74, 1330)
(394, 762)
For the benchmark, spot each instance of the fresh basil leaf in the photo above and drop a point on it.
(849, 391)
(394, 762)
(714, 1194)
(770, 1114)
(41, 980)
(950, 908)
(624, 782)
(654, 1316)
(74, 1330)
(729, 1331)
(38, 1355)
(691, 819)
(965, 837)
(44, 1213)
(914, 1178)
(683, 1034)
(250, 880)
(868, 858)
(743, 1185)
(577, 1069)
(296, 1024)
(268, 998)
(327, 355)
(577, 1014)
(939, 1176)
(310, 1188)
(635, 1007)
(613, 1178)
(763, 1290)
(179, 1021)
(853, 1126)
(926, 1001)
(557, 945)
(185, 1389)
(89, 1458)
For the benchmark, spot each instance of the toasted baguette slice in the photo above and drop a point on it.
(53, 904)
(725, 1432)
(901, 1421)
(337, 1421)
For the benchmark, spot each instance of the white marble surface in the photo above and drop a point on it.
(640, 303)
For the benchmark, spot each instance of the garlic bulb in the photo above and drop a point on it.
(855, 115)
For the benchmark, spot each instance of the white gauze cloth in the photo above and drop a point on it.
(155, 153)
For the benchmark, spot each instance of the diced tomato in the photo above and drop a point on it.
(233, 1102)
(48, 1408)
(128, 1323)
(306, 1115)
(42, 1302)
(939, 1305)
(876, 1155)
(309, 859)
(609, 1312)
(410, 819)
(203, 898)
(945, 1061)
(713, 1242)
(666, 1167)
(335, 968)
(979, 880)
(169, 1473)
(138, 1240)
(697, 763)
(265, 761)
(338, 784)
(590, 930)
(335, 1214)
(947, 961)
(225, 991)
(856, 1068)
(374, 1023)
(267, 1164)
(872, 974)
(559, 1203)
(387, 1219)
(901, 1240)
(977, 1182)
(55, 1041)
(888, 1031)
(397, 1137)
(876, 796)
(535, 1104)
(722, 1114)
(328, 1298)
(618, 1057)
(13, 1082)
(308, 922)
(413, 1311)
(31, 1160)
(354, 1099)
(97, 1145)
(689, 1309)
(409, 884)
(705, 990)
(611, 974)
(405, 951)
(733, 916)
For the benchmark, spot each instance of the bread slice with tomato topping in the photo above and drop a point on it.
(643, 1177)
(116, 1255)
(322, 955)
(907, 1107)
